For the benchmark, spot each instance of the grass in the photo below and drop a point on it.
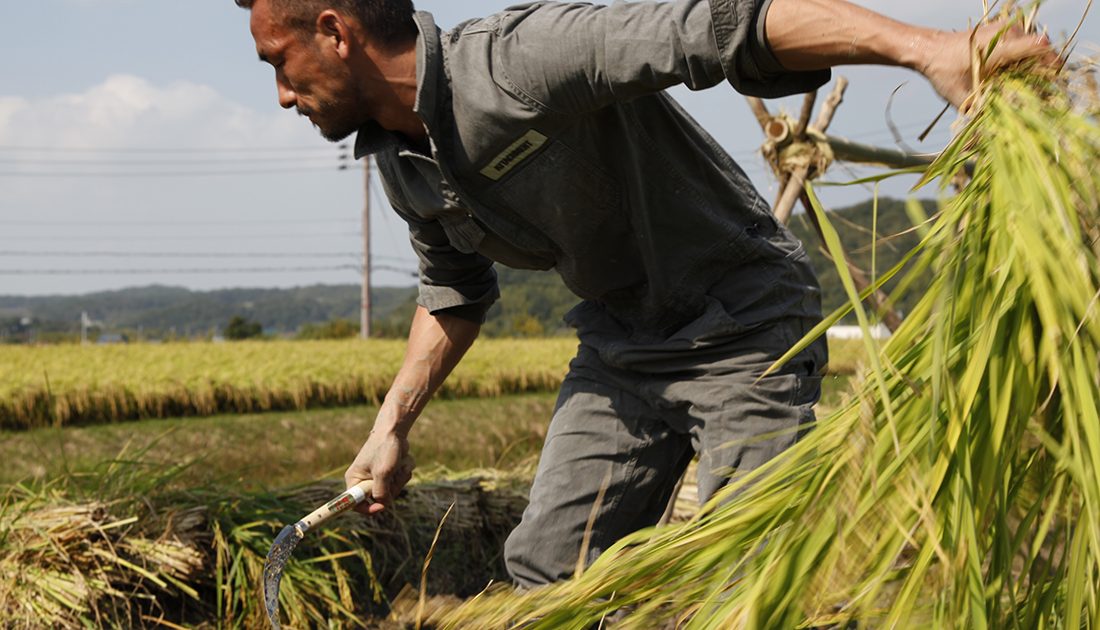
(271, 450)
(260, 451)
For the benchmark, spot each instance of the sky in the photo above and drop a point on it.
(141, 143)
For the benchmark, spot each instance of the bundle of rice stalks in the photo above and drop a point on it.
(63, 562)
(961, 486)
(196, 558)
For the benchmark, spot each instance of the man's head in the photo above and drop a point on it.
(387, 21)
(327, 53)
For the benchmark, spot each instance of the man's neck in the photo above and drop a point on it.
(390, 85)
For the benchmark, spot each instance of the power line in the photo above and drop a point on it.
(127, 223)
(405, 272)
(156, 174)
(161, 237)
(197, 270)
(171, 150)
(166, 161)
(202, 270)
(192, 255)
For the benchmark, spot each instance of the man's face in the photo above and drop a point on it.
(309, 75)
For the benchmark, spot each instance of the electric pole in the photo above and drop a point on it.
(364, 307)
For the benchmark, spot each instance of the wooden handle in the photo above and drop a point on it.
(352, 497)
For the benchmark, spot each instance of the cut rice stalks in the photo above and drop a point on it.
(961, 485)
(184, 559)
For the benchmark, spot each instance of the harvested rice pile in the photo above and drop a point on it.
(196, 558)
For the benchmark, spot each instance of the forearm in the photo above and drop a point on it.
(819, 34)
(436, 344)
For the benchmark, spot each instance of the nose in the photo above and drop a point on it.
(287, 96)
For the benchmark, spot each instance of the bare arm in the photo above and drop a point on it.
(815, 34)
(436, 344)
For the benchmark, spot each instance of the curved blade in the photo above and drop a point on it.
(280, 552)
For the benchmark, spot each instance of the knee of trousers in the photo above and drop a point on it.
(534, 560)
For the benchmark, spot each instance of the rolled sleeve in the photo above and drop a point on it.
(747, 60)
(463, 284)
(581, 57)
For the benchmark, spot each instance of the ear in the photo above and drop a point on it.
(333, 28)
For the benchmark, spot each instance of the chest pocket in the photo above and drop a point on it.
(578, 207)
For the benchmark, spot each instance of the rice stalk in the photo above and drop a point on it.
(960, 486)
(195, 557)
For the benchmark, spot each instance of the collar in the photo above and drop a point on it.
(372, 138)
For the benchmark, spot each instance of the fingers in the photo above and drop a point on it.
(1019, 45)
(386, 487)
(393, 482)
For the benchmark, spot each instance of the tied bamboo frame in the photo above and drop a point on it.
(961, 485)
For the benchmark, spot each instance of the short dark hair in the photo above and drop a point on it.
(390, 21)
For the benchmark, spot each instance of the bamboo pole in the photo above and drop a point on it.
(760, 110)
(849, 151)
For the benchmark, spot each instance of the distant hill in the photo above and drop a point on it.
(532, 303)
(853, 224)
(163, 309)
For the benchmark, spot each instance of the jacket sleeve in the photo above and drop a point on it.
(574, 57)
(461, 284)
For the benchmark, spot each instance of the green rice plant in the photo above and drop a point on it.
(960, 486)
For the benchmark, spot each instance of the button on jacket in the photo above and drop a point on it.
(552, 145)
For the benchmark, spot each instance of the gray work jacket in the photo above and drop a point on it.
(553, 146)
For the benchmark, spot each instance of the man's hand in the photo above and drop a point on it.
(950, 58)
(816, 34)
(436, 343)
(384, 459)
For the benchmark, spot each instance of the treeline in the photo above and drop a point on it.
(163, 312)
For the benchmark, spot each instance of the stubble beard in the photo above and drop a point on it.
(335, 119)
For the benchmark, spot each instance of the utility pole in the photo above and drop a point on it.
(364, 307)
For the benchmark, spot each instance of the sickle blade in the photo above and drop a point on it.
(280, 552)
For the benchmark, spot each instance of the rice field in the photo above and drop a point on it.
(78, 385)
(54, 386)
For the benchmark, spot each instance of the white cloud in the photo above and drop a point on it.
(129, 111)
(9, 106)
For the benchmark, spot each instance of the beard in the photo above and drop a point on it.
(335, 118)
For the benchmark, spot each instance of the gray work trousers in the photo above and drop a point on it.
(632, 432)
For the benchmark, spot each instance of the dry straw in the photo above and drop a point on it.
(960, 488)
(172, 559)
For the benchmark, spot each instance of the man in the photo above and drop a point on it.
(540, 138)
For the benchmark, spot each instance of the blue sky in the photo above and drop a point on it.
(139, 127)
